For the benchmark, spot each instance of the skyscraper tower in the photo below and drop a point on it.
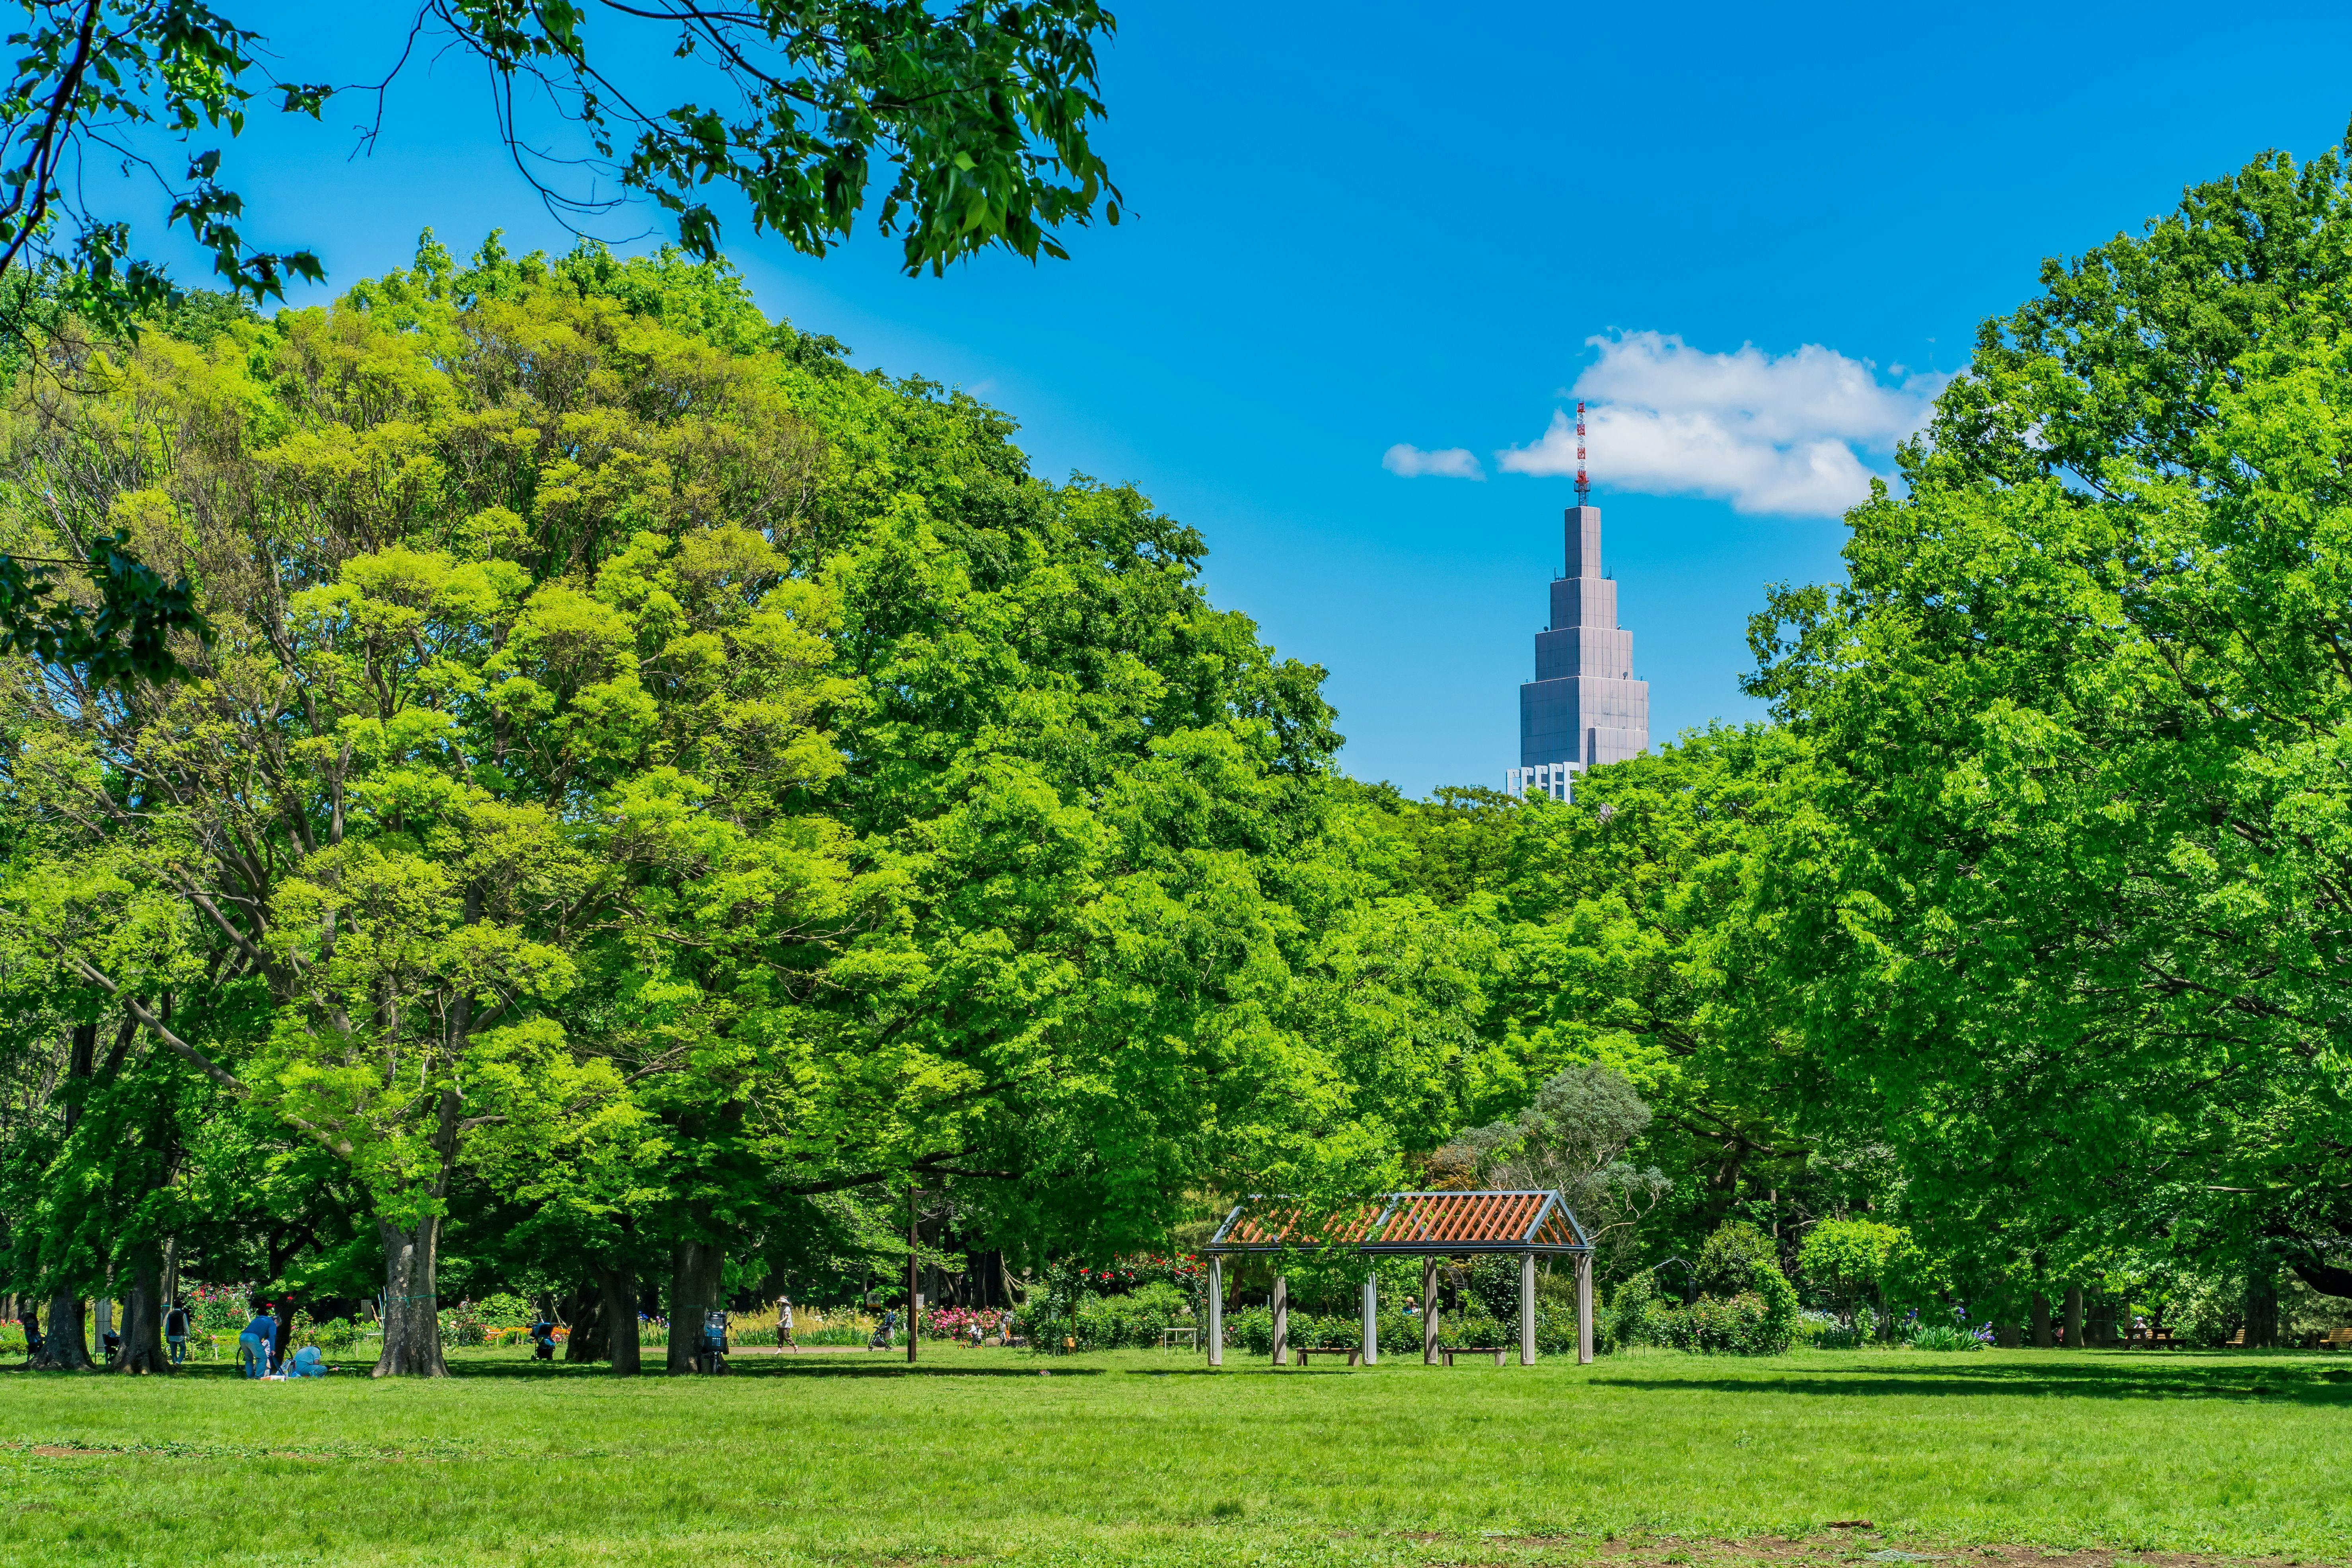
(1584, 706)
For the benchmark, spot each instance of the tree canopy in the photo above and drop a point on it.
(984, 110)
(646, 765)
(2059, 916)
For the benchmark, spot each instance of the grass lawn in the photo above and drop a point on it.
(1135, 1458)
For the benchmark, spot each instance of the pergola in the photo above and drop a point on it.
(1430, 1225)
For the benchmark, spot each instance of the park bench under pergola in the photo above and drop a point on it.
(1428, 1226)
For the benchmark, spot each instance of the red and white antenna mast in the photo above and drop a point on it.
(1583, 487)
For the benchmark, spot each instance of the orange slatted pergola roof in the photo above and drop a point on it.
(1421, 1224)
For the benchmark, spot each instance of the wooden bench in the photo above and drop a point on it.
(2336, 1339)
(1497, 1351)
(1353, 1353)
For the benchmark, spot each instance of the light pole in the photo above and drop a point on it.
(914, 1304)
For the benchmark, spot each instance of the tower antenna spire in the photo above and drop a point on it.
(1583, 487)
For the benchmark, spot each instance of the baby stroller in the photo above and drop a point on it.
(712, 1353)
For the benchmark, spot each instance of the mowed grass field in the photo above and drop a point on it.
(1141, 1459)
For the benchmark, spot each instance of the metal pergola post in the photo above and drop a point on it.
(1429, 1310)
(1584, 1309)
(1216, 1311)
(1527, 1308)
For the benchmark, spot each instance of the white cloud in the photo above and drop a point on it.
(1781, 435)
(1411, 462)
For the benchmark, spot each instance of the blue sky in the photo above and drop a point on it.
(1758, 234)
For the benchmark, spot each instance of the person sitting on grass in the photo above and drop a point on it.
(543, 1335)
(175, 1331)
(307, 1363)
(254, 1345)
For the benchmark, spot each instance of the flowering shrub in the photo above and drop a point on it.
(1146, 1269)
(956, 1322)
(215, 1307)
(463, 1327)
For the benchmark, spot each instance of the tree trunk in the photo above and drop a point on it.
(2261, 1308)
(2074, 1317)
(619, 1289)
(693, 1278)
(2099, 1322)
(585, 1309)
(2042, 1337)
(143, 1313)
(2010, 1334)
(65, 1346)
(412, 1305)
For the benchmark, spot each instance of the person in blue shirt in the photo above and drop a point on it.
(307, 1363)
(258, 1343)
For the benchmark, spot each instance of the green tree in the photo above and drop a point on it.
(986, 110)
(385, 803)
(1867, 1260)
(1609, 928)
(2059, 916)
(1573, 1140)
(653, 770)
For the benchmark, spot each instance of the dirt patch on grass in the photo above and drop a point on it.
(52, 1451)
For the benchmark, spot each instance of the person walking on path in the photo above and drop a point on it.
(256, 1345)
(175, 1331)
(785, 1339)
